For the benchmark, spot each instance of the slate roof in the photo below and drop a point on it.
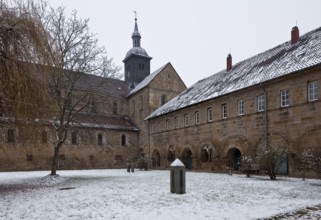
(102, 121)
(146, 81)
(102, 85)
(274, 63)
(84, 82)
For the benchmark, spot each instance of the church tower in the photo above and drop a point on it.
(137, 61)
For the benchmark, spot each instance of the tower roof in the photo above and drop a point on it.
(136, 49)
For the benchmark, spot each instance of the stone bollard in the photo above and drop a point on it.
(177, 178)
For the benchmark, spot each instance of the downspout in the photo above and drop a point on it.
(266, 118)
(149, 111)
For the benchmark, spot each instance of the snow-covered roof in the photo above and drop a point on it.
(271, 64)
(139, 51)
(146, 81)
(103, 121)
(177, 163)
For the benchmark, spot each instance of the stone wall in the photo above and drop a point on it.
(297, 126)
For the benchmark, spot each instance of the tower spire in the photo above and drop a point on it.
(136, 35)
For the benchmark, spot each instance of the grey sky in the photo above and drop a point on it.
(196, 36)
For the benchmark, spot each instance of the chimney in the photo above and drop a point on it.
(295, 35)
(228, 63)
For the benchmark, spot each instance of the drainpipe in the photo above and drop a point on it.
(266, 118)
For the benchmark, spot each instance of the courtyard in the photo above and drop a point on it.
(116, 194)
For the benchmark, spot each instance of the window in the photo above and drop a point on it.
(123, 140)
(73, 137)
(115, 108)
(197, 118)
(209, 114)
(176, 122)
(44, 137)
(29, 157)
(93, 107)
(141, 66)
(163, 99)
(261, 103)
(10, 136)
(100, 139)
(224, 111)
(186, 120)
(240, 104)
(167, 124)
(313, 91)
(284, 98)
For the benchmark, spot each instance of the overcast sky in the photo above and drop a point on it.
(195, 35)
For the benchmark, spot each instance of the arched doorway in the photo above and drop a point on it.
(156, 159)
(234, 158)
(187, 158)
(206, 153)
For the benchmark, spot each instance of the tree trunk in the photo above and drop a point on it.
(55, 161)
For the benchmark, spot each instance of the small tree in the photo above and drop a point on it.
(247, 164)
(270, 158)
(311, 158)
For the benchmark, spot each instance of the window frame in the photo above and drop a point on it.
(123, 140)
(224, 111)
(197, 118)
(240, 107)
(209, 114)
(186, 124)
(167, 125)
(261, 103)
(176, 122)
(10, 136)
(313, 93)
(74, 138)
(163, 99)
(100, 139)
(284, 98)
(115, 108)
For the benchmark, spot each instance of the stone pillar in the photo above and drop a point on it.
(177, 177)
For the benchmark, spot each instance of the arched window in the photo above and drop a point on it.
(44, 137)
(73, 137)
(100, 139)
(123, 140)
(10, 136)
(115, 108)
(163, 99)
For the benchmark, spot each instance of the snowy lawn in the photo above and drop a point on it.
(116, 194)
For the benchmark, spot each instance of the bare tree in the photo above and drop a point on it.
(311, 159)
(74, 51)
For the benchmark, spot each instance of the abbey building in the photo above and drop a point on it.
(272, 98)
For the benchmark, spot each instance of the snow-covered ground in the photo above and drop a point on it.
(116, 194)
